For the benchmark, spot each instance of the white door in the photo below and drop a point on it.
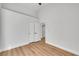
(31, 32)
(34, 31)
(37, 32)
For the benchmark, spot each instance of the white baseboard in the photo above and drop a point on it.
(12, 47)
(66, 49)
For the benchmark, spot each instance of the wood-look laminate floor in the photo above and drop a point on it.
(36, 49)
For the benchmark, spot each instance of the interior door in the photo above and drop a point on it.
(34, 31)
(31, 32)
(37, 31)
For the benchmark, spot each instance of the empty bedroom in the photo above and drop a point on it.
(39, 29)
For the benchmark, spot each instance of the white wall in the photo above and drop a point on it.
(62, 25)
(14, 29)
(1, 41)
(0, 27)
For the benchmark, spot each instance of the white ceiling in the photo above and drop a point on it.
(28, 8)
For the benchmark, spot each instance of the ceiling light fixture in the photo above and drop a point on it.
(40, 3)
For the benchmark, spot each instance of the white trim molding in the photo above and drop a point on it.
(66, 49)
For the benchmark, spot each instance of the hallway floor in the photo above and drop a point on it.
(36, 49)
